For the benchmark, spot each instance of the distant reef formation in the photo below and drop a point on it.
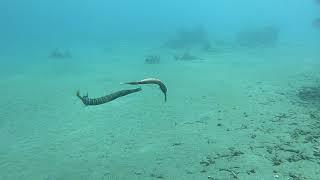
(258, 37)
(188, 38)
(316, 23)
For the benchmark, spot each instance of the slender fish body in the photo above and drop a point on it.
(163, 87)
(101, 100)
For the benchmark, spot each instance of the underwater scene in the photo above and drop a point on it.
(159, 90)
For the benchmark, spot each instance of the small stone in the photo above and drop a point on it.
(252, 171)
(203, 171)
(137, 173)
(275, 171)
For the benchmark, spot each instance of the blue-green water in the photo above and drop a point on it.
(243, 85)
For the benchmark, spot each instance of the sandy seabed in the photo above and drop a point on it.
(234, 115)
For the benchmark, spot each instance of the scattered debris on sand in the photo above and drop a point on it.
(186, 57)
(310, 94)
(60, 54)
(152, 59)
